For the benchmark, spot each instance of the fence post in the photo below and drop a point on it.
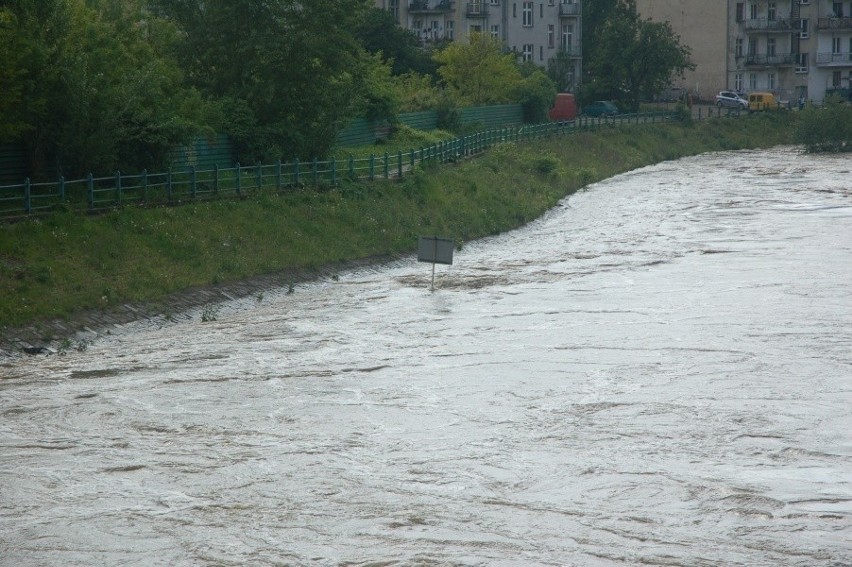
(259, 176)
(411, 154)
(192, 185)
(333, 171)
(118, 187)
(315, 171)
(278, 175)
(90, 190)
(387, 171)
(28, 205)
(169, 187)
(296, 172)
(351, 166)
(699, 114)
(144, 185)
(61, 188)
(239, 179)
(372, 166)
(216, 179)
(399, 163)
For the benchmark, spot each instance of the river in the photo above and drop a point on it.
(656, 372)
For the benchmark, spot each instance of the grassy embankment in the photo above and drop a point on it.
(54, 266)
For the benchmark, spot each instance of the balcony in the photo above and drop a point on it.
(764, 60)
(834, 59)
(569, 10)
(834, 23)
(430, 6)
(785, 25)
(477, 10)
(572, 51)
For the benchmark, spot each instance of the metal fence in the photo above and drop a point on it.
(93, 194)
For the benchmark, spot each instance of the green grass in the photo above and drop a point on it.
(54, 266)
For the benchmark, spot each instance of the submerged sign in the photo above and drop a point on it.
(435, 250)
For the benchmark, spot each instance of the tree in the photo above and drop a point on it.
(297, 67)
(478, 72)
(827, 129)
(560, 70)
(634, 58)
(94, 92)
(379, 33)
(536, 93)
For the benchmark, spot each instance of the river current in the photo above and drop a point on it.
(656, 372)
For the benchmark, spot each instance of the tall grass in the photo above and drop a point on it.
(54, 266)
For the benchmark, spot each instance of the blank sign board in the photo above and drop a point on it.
(435, 250)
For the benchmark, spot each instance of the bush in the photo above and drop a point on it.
(825, 129)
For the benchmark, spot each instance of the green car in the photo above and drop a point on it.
(600, 108)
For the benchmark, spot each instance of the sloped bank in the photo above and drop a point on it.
(66, 278)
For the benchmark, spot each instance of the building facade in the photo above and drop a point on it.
(798, 49)
(703, 27)
(535, 30)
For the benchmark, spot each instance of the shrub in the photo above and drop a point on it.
(825, 129)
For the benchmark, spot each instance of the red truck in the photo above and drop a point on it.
(564, 108)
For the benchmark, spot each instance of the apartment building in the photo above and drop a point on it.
(535, 30)
(794, 48)
(703, 27)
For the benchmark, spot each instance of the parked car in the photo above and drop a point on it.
(600, 108)
(763, 101)
(731, 99)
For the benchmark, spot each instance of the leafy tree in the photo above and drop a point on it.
(478, 72)
(560, 69)
(298, 67)
(415, 92)
(635, 58)
(95, 94)
(379, 33)
(535, 93)
(827, 129)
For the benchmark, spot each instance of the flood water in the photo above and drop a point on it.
(657, 372)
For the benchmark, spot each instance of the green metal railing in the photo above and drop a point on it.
(92, 194)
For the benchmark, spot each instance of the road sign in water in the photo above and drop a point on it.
(436, 250)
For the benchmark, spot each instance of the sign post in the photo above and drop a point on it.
(436, 250)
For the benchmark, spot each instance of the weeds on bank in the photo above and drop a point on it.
(54, 266)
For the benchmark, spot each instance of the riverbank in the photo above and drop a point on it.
(66, 278)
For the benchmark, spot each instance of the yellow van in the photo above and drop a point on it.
(762, 101)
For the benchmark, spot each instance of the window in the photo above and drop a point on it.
(738, 49)
(835, 78)
(551, 34)
(770, 81)
(567, 37)
(495, 2)
(541, 53)
(495, 31)
(837, 8)
(738, 82)
(770, 46)
(770, 11)
(528, 14)
(514, 10)
(740, 11)
(835, 45)
(801, 62)
(393, 8)
(449, 32)
(752, 81)
(541, 10)
(754, 13)
(752, 46)
(804, 25)
(474, 28)
(527, 54)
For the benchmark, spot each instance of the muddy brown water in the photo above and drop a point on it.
(657, 372)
